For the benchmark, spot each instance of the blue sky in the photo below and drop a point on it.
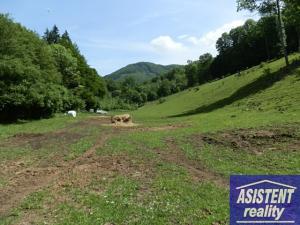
(114, 33)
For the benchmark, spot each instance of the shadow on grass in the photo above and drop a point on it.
(263, 82)
(16, 121)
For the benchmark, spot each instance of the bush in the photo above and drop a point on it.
(109, 103)
(262, 65)
(161, 100)
(267, 71)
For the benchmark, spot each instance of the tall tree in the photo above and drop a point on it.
(282, 32)
(53, 36)
(66, 65)
(292, 13)
(204, 64)
(268, 7)
(66, 41)
(224, 43)
(191, 74)
(267, 28)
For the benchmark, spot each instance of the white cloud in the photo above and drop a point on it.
(208, 40)
(166, 44)
(185, 47)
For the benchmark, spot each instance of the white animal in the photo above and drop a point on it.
(72, 113)
(99, 111)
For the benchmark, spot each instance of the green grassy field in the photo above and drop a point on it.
(173, 168)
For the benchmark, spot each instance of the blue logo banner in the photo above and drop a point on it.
(264, 200)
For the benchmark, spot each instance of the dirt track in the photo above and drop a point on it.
(56, 172)
(29, 180)
(198, 172)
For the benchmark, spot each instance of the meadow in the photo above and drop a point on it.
(173, 168)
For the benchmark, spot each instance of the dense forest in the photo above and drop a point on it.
(40, 76)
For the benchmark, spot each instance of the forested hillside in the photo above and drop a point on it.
(39, 77)
(142, 71)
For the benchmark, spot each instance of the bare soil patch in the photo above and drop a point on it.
(66, 136)
(120, 125)
(254, 140)
(138, 127)
(38, 141)
(23, 184)
(199, 172)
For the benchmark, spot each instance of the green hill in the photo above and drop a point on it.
(264, 89)
(141, 71)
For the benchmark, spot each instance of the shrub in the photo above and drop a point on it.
(262, 65)
(161, 100)
(109, 103)
(267, 71)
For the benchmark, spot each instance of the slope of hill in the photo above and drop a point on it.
(261, 89)
(141, 71)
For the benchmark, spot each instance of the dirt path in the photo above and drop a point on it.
(198, 172)
(33, 179)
